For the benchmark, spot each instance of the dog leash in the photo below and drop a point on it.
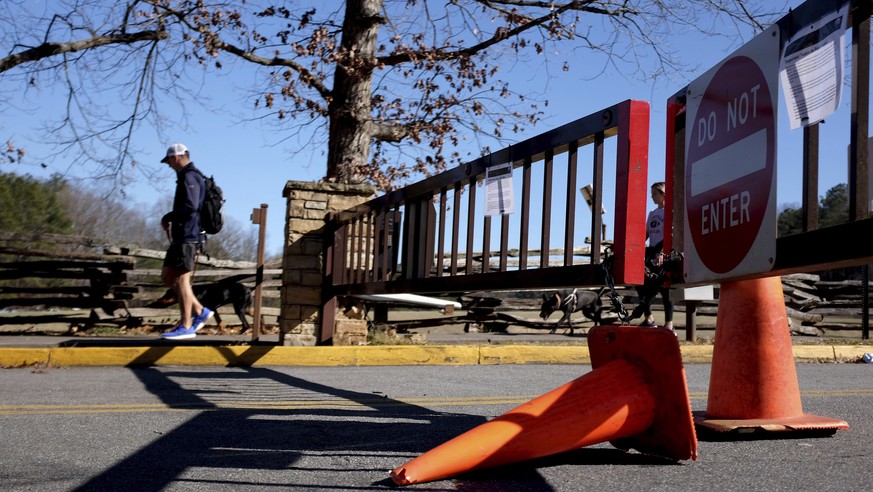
(614, 298)
(669, 263)
(672, 259)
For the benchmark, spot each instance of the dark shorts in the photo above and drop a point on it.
(181, 256)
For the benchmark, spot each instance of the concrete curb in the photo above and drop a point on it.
(373, 355)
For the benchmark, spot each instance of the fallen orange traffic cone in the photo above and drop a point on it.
(635, 397)
(753, 383)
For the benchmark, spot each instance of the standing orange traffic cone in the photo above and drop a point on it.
(753, 383)
(635, 397)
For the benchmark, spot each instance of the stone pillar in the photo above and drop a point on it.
(303, 260)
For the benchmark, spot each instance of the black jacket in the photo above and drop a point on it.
(185, 218)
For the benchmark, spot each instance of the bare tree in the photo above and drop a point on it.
(101, 215)
(392, 86)
(236, 241)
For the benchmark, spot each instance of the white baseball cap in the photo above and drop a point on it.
(174, 150)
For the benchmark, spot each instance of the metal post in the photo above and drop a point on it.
(690, 320)
(809, 209)
(259, 217)
(865, 291)
(859, 205)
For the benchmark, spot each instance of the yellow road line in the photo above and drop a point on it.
(329, 403)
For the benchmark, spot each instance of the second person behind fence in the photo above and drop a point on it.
(654, 281)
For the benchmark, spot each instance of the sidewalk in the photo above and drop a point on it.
(440, 349)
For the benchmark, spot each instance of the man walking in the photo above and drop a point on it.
(182, 227)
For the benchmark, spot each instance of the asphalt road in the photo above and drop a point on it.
(343, 428)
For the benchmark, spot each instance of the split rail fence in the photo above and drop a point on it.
(50, 279)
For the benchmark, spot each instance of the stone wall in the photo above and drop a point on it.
(308, 204)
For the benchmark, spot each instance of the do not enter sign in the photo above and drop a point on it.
(730, 167)
(730, 164)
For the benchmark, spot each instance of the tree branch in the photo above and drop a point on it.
(47, 50)
(305, 75)
(500, 34)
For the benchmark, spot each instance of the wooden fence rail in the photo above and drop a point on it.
(56, 271)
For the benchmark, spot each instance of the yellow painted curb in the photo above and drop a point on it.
(240, 356)
(813, 353)
(294, 356)
(414, 355)
(100, 356)
(370, 355)
(534, 354)
(851, 353)
(200, 356)
(22, 357)
(696, 354)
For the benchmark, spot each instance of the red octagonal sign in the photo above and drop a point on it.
(730, 165)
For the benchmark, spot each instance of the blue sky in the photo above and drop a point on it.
(252, 163)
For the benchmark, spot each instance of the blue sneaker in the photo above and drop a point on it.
(198, 321)
(179, 333)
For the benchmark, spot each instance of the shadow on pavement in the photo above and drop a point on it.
(254, 422)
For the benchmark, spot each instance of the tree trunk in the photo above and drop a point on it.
(349, 109)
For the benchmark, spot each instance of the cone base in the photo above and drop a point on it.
(656, 352)
(753, 385)
(805, 422)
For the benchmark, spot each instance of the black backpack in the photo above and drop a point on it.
(211, 220)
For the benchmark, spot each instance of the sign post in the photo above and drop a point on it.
(730, 166)
(259, 217)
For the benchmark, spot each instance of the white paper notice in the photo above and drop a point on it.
(811, 69)
(498, 189)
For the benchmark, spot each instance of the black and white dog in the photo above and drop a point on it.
(213, 296)
(571, 301)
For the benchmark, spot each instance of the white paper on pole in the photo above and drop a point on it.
(498, 190)
(811, 69)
